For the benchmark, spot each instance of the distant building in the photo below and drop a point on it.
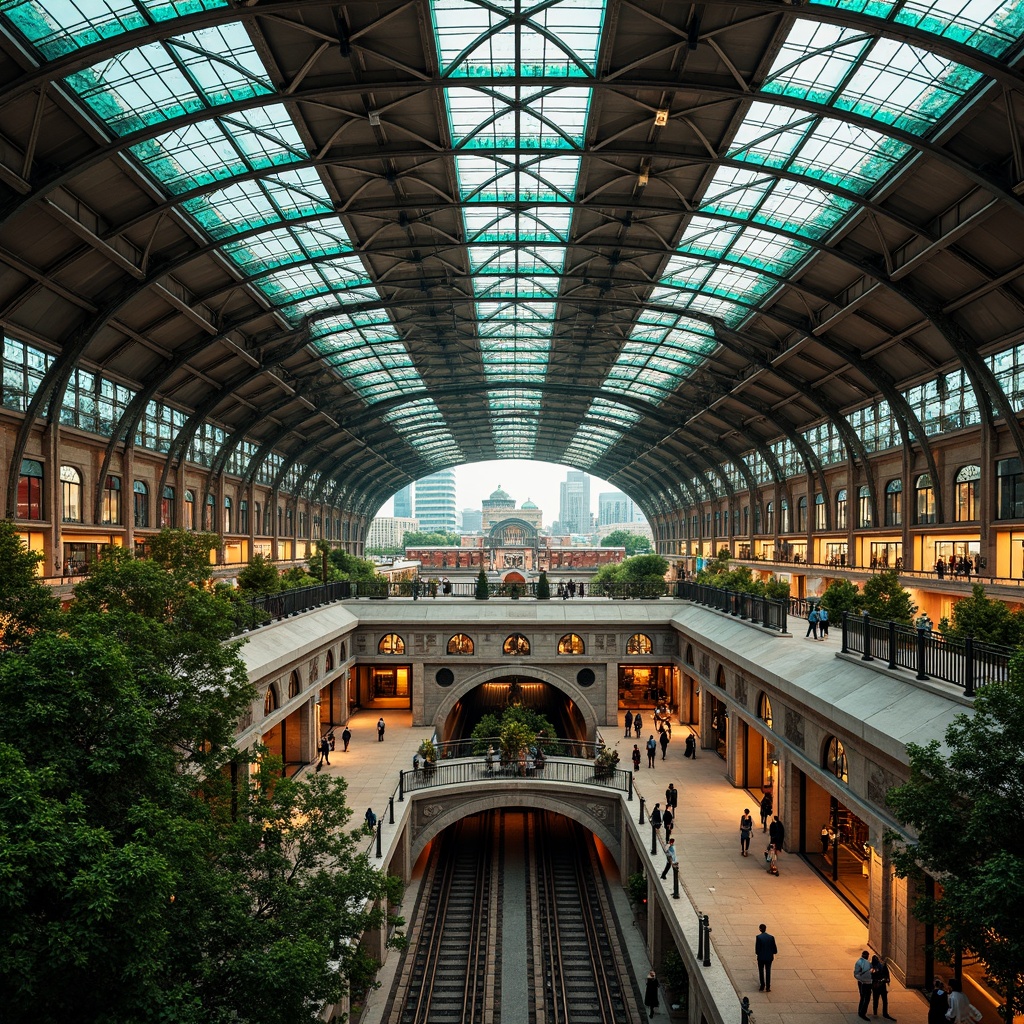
(574, 504)
(388, 531)
(403, 503)
(472, 520)
(435, 501)
(616, 507)
(641, 529)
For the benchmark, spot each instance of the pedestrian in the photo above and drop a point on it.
(862, 975)
(346, 736)
(668, 819)
(664, 743)
(636, 758)
(766, 951)
(746, 830)
(672, 797)
(777, 834)
(330, 740)
(656, 819)
(771, 857)
(938, 1003)
(380, 729)
(652, 749)
(812, 623)
(370, 818)
(826, 838)
(416, 761)
(651, 993)
(691, 747)
(629, 722)
(823, 623)
(638, 724)
(880, 987)
(960, 1009)
(671, 858)
(325, 751)
(766, 810)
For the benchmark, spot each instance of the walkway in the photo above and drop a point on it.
(818, 936)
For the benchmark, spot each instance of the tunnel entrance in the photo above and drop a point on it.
(494, 696)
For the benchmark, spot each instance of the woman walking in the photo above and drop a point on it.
(746, 828)
(651, 993)
(636, 758)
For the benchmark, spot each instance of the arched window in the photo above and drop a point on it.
(720, 677)
(924, 491)
(784, 524)
(190, 511)
(639, 643)
(801, 515)
(243, 517)
(167, 507)
(391, 644)
(516, 644)
(30, 490)
(329, 662)
(70, 494)
(140, 506)
(570, 644)
(270, 700)
(460, 644)
(314, 669)
(227, 515)
(689, 655)
(769, 518)
(342, 652)
(208, 512)
(835, 759)
(968, 481)
(289, 522)
(894, 503)
(841, 510)
(820, 519)
(294, 684)
(764, 710)
(110, 514)
(257, 517)
(864, 506)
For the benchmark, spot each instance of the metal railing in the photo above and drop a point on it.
(429, 590)
(968, 663)
(477, 770)
(271, 607)
(769, 612)
(552, 747)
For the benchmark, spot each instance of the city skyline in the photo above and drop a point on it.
(522, 479)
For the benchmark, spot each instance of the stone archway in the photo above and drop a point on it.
(586, 707)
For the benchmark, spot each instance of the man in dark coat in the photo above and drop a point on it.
(629, 722)
(765, 950)
(777, 833)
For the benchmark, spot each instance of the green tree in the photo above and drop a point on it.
(634, 543)
(490, 725)
(482, 589)
(645, 574)
(260, 576)
(185, 553)
(430, 539)
(984, 619)
(344, 566)
(25, 601)
(884, 597)
(543, 588)
(966, 814)
(841, 596)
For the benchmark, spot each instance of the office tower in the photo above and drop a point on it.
(435, 501)
(574, 502)
(615, 507)
(472, 520)
(403, 503)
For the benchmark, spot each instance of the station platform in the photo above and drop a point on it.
(819, 937)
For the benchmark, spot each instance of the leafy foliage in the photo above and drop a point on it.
(431, 539)
(539, 726)
(717, 573)
(343, 566)
(841, 596)
(634, 543)
(24, 602)
(543, 588)
(139, 883)
(984, 619)
(260, 576)
(187, 554)
(884, 597)
(483, 591)
(966, 812)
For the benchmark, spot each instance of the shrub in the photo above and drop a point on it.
(543, 588)
(482, 589)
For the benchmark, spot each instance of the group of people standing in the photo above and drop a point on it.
(817, 622)
(962, 566)
(568, 588)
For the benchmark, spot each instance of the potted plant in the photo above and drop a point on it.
(543, 588)
(482, 588)
(428, 752)
(605, 763)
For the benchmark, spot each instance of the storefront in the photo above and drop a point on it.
(383, 686)
(645, 686)
(718, 737)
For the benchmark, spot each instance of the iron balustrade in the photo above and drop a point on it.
(476, 770)
(769, 612)
(553, 747)
(425, 589)
(269, 607)
(968, 663)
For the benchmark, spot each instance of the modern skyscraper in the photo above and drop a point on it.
(435, 501)
(403, 503)
(574, 502)
(616, 507)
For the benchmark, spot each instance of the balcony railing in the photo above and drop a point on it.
(966, 663)
(769, 612)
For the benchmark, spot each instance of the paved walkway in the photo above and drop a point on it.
(818, 936)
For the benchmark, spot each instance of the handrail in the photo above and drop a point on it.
(968, 663)
(553, 746)
(769, 612)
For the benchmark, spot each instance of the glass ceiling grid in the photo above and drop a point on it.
(516, 145)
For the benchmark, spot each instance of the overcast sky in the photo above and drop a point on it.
(520, 479)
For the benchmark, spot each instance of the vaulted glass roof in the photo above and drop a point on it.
(614, 202)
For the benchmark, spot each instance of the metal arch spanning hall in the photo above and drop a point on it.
(339, 246)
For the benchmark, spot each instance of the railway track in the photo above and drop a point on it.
(562, 960)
